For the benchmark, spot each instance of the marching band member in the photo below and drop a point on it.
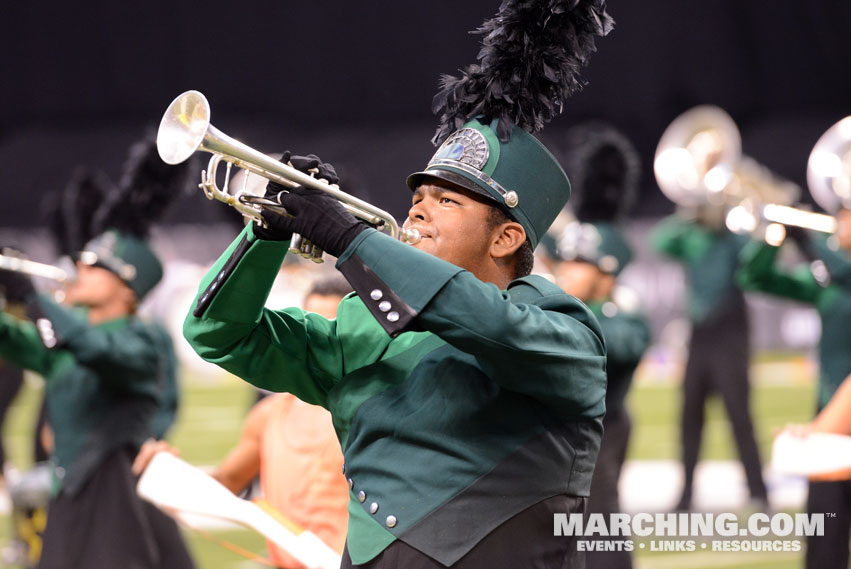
(467, 395)
(826, 284)
(108, 375)
(719, 347)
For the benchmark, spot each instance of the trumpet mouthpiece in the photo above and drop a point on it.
(410, 236)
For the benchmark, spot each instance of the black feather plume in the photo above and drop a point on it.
(146, 189)
(604, 170)
(70, 212)
(530, 62)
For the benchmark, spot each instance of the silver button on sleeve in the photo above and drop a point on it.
(384, 306)
(376, 294)
(391, 521)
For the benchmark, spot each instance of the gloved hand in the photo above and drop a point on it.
(275, 231)
(318, 217)
(797, 234)
(801, 238)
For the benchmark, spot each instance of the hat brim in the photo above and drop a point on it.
(416, 179)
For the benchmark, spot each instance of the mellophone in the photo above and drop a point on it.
(185, 128)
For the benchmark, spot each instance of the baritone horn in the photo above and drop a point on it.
(185, 128)
(699, 162)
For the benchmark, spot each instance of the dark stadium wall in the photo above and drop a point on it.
(353, 82)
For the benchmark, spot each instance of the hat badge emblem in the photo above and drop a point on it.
(467, 146)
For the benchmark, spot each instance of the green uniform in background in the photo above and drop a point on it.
(829, 294)
(627, 337)
(480, 403)
(102, 389)
(709, 257)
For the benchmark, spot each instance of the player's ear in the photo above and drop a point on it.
(507, 239)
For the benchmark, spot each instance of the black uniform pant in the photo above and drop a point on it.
(107, 526)
(604, 497)
(525, 541)
(831, 549)
(718, 363)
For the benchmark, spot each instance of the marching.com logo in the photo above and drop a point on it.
(603, 531)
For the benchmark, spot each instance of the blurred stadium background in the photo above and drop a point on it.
(353, 83)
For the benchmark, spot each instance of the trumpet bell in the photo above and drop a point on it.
(829, 168)
(183, 127)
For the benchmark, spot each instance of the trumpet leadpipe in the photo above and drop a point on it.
(27, 267)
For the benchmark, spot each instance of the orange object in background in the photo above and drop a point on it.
(301, 471)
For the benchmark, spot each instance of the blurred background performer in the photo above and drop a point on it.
(107, 374)
(68, 211)
(27, 520)
(824, 282)
(453, 457)
(586, 256)
(13, 288)
(719, 347)
(292, 446)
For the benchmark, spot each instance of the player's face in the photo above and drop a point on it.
(578, 278)
(454, 224)
(95, 286)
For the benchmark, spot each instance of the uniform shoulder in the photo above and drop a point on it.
(537, 290)
(529, 288)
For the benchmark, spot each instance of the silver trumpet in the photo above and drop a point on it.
(185, 128)
(27, 267)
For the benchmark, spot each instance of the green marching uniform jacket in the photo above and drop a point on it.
(104, 384)
(830, 294)
(457, 405)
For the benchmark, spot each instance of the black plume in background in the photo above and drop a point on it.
(70, 212)
(604, 169)
(530, 62)
(90, 203)
(146, 189)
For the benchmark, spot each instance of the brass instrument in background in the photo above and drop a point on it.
(699, 163)
(185, 128)
(829, 168)
(27, 267)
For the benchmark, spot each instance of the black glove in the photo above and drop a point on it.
(275, 231)
(801, 238)
(318, 217)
